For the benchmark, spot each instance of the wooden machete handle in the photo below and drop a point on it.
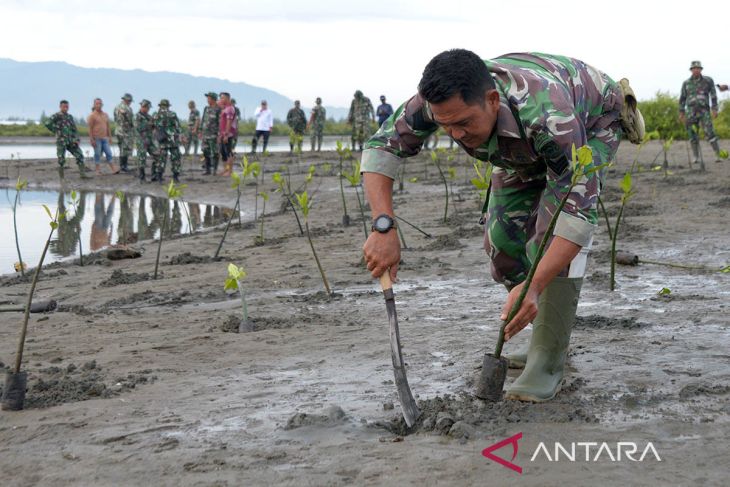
(385, 282)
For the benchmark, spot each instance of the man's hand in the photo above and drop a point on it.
(526, 313)
(723, 87)
(682, 117)
(382, 252)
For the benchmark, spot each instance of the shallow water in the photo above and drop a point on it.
(103, 219)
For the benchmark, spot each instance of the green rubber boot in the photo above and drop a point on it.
(518, 358)
(543, 374)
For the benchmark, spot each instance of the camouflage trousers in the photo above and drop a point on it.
(73, 147)
(317, 137)
(191, 138)
(519, 213)
(144, 148)
(700, 118)
(360, 133)
(175, 159)
(210, 150)
(126, 145)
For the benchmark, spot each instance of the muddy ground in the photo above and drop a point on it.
(141, 382)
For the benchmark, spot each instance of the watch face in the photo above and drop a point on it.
(383, 223)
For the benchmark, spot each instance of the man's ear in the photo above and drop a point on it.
(491, 98)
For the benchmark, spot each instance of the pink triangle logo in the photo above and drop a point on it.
(487, 452)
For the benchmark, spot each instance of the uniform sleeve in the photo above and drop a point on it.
(402, 135)
(683, 97)
(553, 138)
(713, 95)
(50, 123)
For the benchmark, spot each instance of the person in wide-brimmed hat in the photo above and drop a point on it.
(697, 107)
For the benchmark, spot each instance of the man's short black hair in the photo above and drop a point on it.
(453, 72)
(62, 102)
(226, 94)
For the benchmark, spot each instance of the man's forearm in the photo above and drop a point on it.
(379, 193)
(558, 256)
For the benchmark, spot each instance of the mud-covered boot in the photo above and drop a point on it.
(60, 172)
(254, 142)
(543, 374)
(124, 163)
(82, 172)
(206, 166)
(695, 151)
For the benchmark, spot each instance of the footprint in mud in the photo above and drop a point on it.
(597, 322)
(696, 389)
(331, 415)
(118, 278)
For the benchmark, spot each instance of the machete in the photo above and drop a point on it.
(407, 403)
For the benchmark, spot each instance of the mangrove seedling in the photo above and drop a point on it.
(666, 145)
(343, 153)
(436, 159)
(15, 380)
(627, 192)
(354, 179)
(248, 170)
(482, 180)
(20, 185)
(233, 282)
(265, 197)
(281, 187)
(74, 202)
(305, 204)
(173, 192)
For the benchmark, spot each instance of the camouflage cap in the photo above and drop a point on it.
(358, 93)
(695, 64)
(145, 103)
(127, 97)
(212, 95)
(164, 103)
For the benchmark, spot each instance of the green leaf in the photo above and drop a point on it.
(48, 212)
(54, 225)
(725, 270)
(21, 184)
(74, 195)
(452, 172)
(414, 179)
(626, 184)
(231, 284)
(665, 291)
(276, 177)
(434, 156)
(585, 156)
(264, 195)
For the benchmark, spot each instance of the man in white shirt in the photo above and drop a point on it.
(264, 122)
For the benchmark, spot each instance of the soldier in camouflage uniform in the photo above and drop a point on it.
(297, 122)
(234, 140)
(191, 132)
(124, 130)
(523, 113)
(63, 125)
(209, 133)
(694, 109)
(316, 122)
(360, 116)
(144, 124)
(167, 133)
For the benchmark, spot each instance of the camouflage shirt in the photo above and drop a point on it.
(167, 126)
(319, 117)
(296, 120)
(124, 120)
(210, 121)
(144, 124)
(63, 125)
(697, 94)
(193, 118)
(361, 110)
(547, 104)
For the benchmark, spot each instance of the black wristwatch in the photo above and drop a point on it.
(383, 223)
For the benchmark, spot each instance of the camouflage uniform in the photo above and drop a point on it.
(191, 135)
(167, 132)
(361, 113)
(234, 140)
(297, 122)
(146, 143)
(124, 130)
(547, 105)
(209, 129)
(67, 138)
(319, 117)
(694, 100)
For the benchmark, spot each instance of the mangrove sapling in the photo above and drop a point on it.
(627, 192)
(233, 282)
(436, 159)
(281, 188)
(265, 197)
(74, 202)
(305, 205)
(173, 193)
(354, 178)
(20, 185)
(666, 145)
(15, 381)
(482, 180)
(605, 215)
(343, 153)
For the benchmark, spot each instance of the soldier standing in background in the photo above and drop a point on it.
(209, 133)
(361, 113)
(316, 123)
(694, 109)
(146, 143)
(191, 133)
(234, 140)
(62, 124)
(124, 130)
(167, 133)
(297, 122)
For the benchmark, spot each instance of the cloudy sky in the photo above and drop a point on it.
(330, 48)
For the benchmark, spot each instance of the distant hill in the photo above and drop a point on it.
(28, 89)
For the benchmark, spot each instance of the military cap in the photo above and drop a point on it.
(358, 93)
(164, 103)
(212, 95)
(127, 97)
(695, 64)
(145, 103)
